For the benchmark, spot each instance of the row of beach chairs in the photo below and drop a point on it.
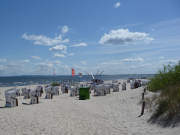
(12, 94)
(103, 89)
(34, 94)
(137, 83)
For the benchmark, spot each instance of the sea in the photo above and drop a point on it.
(39, 79)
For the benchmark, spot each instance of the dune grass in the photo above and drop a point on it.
(55, 84)
(167, 82)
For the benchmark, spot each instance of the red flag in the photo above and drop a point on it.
(73, 72)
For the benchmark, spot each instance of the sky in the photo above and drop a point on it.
(46, 37)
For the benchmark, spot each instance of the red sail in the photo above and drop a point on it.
(73, 72)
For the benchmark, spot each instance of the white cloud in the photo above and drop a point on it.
(60, 51)
(82, 44)
(65, 29)
(173, 61)
(124, 36)
(57, 62)
(26, 61)
(3, 60)
(36, 57)
(138, 59)
(147, 65)
(50, 65)
(117, 4)
(59, 55)
(12, 68)
(169, 61)
(83, 62)
(58, 48)
(43, 68)
(111, 63)
(161, 57)
(44, 40)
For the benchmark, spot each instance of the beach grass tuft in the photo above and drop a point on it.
(55, 84)
(167, 83)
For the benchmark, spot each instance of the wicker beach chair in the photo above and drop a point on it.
(99, 90)
(39, 90)
(10, 96)
(34, 96)
(115, 87)
(123, 86)
(49, 92)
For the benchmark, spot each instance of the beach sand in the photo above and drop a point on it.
(113, 114)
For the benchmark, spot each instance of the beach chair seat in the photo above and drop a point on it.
(144, 82)
(34, 96)
(99, 90)
(132, 84)
(49, 92)
(115, 88)
(64, 88)
(39, 90)
(74, 91)
(123, 86)
(107, 89)
(25, 93)
(55, 90)
(34, 100)
(10, 96)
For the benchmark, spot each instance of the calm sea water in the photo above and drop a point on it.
(25, 80)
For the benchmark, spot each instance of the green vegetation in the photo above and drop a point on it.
(167, 82)
(55, 84)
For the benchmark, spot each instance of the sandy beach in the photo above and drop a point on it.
(89, 67)
(113, 114)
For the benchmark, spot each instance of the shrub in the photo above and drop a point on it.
(167, 82)
(55, 84)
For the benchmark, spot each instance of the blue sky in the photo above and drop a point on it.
(114, 36)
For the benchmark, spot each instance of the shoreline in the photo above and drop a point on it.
(30, 80)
